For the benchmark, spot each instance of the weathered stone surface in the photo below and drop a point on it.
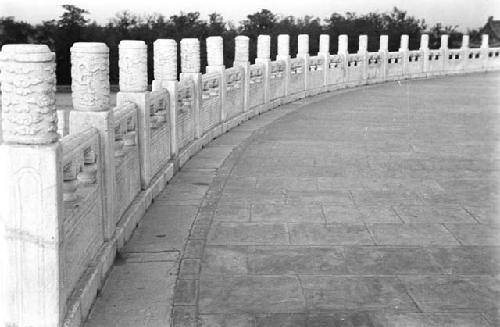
(328, 234)
(475, 234)
(223, 233)
(286, 213)
(411, 234)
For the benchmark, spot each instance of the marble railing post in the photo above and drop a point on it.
(303, 52)
(284, 55)
(464, 51)
(465, 41)
(484, 50)
(215, 60)
(31, 189)
(165, 74)
(363, 51)
(190, 69)
(444, 52)
(404, 51)
(264, 58)
(343, 51)
(324, 52)
(383, 50)
(133, 67)
(424, 48)
(241, 60)
(91, 108)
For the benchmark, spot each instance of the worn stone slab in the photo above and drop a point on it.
(287, 213)
(223, 233)
(411, 234)
(225, 260)
(467, 260)
(430, 320)
(234, 212)
(329, 234)
(434, 214)
(475, 234)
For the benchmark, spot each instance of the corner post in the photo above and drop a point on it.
(91, 108)
(324, 52)
(241, 60)
(190, 69)
(31, 203)
(165, 74)
(363, 51)
(133, 68)
(383, 50)
(404, 51)
(444, 53)
(215, 60)
(303, 52)
(284, 55)
(264, 58)
(424, 48)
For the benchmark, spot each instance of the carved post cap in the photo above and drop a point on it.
(190, 55)
(165, 59)
(424, 42)
(241, 48)
(404, 43)
(384, 43)
(363, 43)
(465, 41)
(303, 44)
(343, 48)
(283, 45)
(444, 41)
(133, 65)
(264, 47)
(484, 41)
(215, 55)
(28, 94)
(324, 43)
(90, 76)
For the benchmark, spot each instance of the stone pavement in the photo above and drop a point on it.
(372, 207)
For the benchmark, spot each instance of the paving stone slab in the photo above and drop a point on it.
(412, 234)
(223, 233)
(329, 234)
(265, 212)
(475, 234)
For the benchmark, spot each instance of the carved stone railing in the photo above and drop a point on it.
(87, 180)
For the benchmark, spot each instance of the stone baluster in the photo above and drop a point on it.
(284, 55)
(133, 66)
(91, 108)
(444, 53)
(363, 51)
(383, 51)
(190, 70)
(264, 58)
(324, 52)
(215, 60)
(424, 49)
(32, 191)
(404, 51)
(241, 43)
(165, 73)
(303, 52)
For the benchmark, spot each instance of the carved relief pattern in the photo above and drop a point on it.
(214, 51)
(277, 69)
(190, 56)
(234, 79)
(133, 68)
(90, 81)
(256, 74)
(158, 110)
(28, 97)
(165, 60)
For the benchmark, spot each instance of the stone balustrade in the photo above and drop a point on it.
(72, 199)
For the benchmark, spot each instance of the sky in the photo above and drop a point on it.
(464, 13)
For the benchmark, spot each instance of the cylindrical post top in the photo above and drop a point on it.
(264, 47)
(90, 76)
(241, 48)
(284, 45)
(165, 59)
(303, 44)
(484, 41)
(444, 41)
(465, 41)
(424, 41)
(384, 43)
(28, 94)
(343, 47)
(324, 43)
(363, 43)
(215, 56)
(190, 55)
(133, 65)
(404, 45)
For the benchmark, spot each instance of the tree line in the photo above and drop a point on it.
(74, 26)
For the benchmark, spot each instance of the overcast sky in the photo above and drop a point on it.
(465, 13)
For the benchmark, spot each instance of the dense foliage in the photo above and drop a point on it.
(73, 26)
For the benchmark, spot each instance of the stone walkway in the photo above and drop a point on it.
(373, 207)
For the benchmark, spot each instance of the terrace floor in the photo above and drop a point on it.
(370, 207)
